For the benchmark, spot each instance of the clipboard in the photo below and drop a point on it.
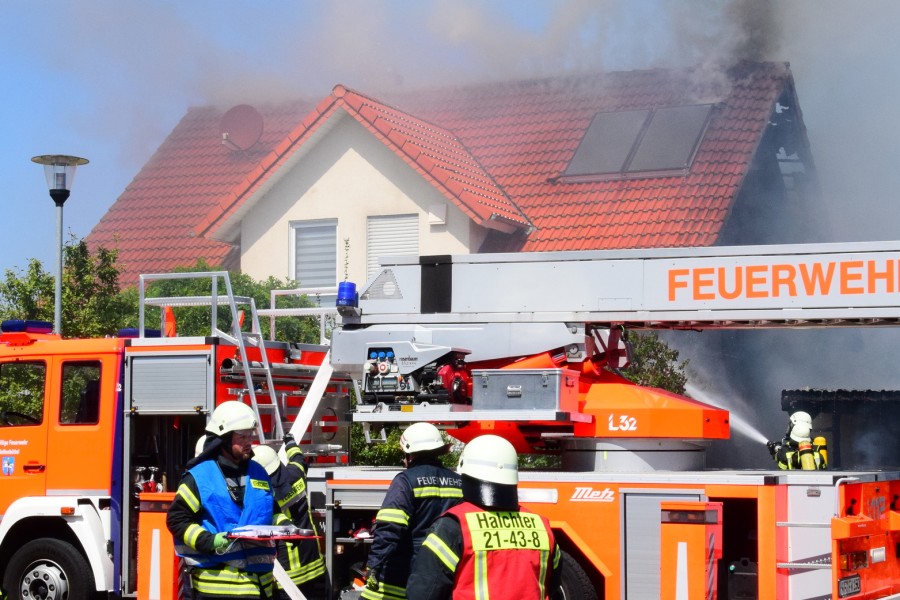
(265, 533)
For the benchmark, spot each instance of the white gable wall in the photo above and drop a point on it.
(348, 175)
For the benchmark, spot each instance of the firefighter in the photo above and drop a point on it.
(796, 450)
(198, 447)
(488, 546)
(221, 490)
(302, 560)
(415, 498)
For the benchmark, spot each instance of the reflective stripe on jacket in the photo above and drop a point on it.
(302, 560)
(506, 554)
(788, 458)
(415, 498)
(219, 513)
(230, 582)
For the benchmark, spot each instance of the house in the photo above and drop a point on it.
(316, 192)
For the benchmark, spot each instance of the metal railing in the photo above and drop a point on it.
(325, 313)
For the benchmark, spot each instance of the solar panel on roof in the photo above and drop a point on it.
(671, 138)
(635, 142)
(607, 142)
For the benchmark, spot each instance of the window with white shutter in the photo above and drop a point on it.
(315, 253)
(392, 235)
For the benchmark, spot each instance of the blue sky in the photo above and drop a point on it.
(109, 79)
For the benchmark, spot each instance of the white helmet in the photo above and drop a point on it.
(267, 457)
(199, 447)
(231, 416)
(801, 426)
(801, 417)
(490, 458)
(421, 437)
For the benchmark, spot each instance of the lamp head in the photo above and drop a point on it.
(59, 169)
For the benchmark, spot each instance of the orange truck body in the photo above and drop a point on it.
(73, 483)
(94, 434)
(781, 524)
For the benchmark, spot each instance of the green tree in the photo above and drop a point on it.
(92, 305)
(29, 295)
(655, 364)
(386, 451)
(382, 453)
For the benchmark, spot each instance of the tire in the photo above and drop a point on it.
(576, 585)
(48, 569)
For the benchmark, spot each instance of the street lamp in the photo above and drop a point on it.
(60, 172)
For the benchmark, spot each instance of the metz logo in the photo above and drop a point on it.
(589, 494)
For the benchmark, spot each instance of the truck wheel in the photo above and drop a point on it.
(576, 585)
(48, 569)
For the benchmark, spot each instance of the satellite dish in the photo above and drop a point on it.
(241, 127)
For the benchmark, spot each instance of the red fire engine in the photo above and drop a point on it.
(95, 432)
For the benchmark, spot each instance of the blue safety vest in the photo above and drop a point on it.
(219, 513)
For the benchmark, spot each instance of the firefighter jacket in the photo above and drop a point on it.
(475, 554)
(787, 456)
(216, 497)
(302, 560)
(415, 498)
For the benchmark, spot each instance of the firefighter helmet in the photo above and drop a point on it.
(199, 447)
(421, 437)
(267, 457)
(231, 416)
(801, 426)
(490, 458)
(801, 417)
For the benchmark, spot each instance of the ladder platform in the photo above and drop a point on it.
(176, 301)
(407, 413)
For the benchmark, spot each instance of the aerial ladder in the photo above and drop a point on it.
(223, 296)
(532, 343)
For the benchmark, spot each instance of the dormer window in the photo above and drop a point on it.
(630, 144)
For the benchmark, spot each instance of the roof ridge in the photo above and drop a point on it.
(345, 90)
(453, 157)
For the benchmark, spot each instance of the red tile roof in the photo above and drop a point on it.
(495, 150)
(152, 223)
(525, 133)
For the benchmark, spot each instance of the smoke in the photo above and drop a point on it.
(737, 411)
(123, 73)
(139, 66)
(848, 95)
(753, 420)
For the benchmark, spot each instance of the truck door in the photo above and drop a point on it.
(642, 538)
(80, 423)
(23, 430)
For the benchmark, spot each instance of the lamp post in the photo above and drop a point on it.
(59, 170)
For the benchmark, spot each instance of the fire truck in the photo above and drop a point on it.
(529, 346)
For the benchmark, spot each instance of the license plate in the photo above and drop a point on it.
(849, 586)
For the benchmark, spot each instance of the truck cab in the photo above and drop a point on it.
(59, 456)
(95, 434)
